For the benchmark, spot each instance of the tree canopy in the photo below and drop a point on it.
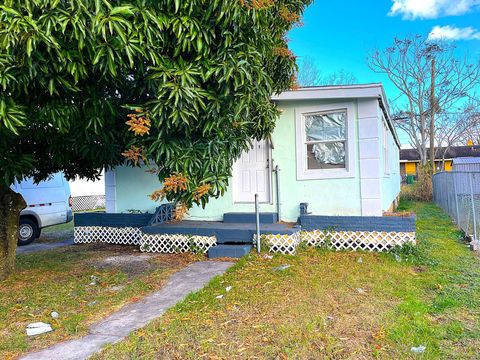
(182, 84)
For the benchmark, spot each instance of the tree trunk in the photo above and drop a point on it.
(11, 204)
(432, 117)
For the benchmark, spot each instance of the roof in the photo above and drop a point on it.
(374, 90)
(357, 91)
(466, 160)
(450, 153)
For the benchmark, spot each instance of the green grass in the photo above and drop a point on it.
(56, 228)
(314, 309)
(60, 280)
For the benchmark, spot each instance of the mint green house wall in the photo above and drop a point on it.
(129, 187)
(392, 179)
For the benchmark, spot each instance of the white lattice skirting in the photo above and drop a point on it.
(277, 243)
(109, 235)
(163, 243)
(176, 243)
(357, 240)
(283, 243)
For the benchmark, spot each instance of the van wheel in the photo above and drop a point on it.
(27, 231)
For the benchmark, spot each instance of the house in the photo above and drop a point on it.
(410, 158)
(335, 149)
(332, 162)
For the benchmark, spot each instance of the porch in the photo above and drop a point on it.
(236, 234)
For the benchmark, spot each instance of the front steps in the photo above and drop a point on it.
(229, 250)
(234, 236)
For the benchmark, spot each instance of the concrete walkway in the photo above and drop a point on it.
(43, 246)
(134, 316)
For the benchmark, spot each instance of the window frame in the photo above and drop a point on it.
(303, 173)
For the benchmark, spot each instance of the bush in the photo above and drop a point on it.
(422, 189)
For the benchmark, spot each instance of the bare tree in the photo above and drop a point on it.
(453, 129)
(420, 68)
(309, 74)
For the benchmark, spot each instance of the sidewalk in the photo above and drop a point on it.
(134, 316)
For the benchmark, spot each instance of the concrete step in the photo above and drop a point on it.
(239, 235)
(233, 251)
(249, 217)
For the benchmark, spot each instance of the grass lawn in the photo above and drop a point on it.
(60, 280)
(330, 305)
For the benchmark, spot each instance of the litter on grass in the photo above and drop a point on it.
(418, 349)
(38, 328)
(281, 267)
(94, 280)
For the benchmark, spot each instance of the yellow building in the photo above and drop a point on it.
(410, 159)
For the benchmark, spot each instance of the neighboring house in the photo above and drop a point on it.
(410, 158)
(335, 147)
(331, 169)
(88, 194)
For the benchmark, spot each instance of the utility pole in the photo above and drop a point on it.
(433, 107)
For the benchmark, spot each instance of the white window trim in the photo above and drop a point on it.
(303, 173)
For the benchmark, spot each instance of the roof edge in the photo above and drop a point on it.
(355, 91)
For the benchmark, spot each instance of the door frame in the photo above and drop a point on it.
(269, 174)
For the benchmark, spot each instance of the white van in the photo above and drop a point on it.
(48, 203)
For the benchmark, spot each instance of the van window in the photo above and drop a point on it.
(54, 181)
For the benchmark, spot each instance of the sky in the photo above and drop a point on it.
(339, 34)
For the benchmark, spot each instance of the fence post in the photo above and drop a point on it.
(475, 238)
(456, 196)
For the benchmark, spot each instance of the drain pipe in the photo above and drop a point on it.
(277, 180)
(257, 219)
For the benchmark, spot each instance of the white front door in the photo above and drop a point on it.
(251, 174)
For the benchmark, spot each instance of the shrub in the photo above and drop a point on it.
(422, 189)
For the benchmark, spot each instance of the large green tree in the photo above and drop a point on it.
(185, 84)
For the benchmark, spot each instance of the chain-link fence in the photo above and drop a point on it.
(458, 193)
(91, 202)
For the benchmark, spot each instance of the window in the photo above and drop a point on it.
(325, 141)
(325, 138)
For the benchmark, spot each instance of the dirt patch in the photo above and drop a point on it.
(419, 269)
(131, 264)
(55, 236)
(131, 261)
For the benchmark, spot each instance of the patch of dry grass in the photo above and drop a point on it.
(59, 280)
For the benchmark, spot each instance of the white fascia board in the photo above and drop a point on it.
(331, 92)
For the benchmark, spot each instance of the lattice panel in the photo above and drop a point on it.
(357, 240)
(176, 243)
(282, 243)
(110, 235)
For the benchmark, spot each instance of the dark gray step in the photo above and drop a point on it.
(233, 251)
(249, 217)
